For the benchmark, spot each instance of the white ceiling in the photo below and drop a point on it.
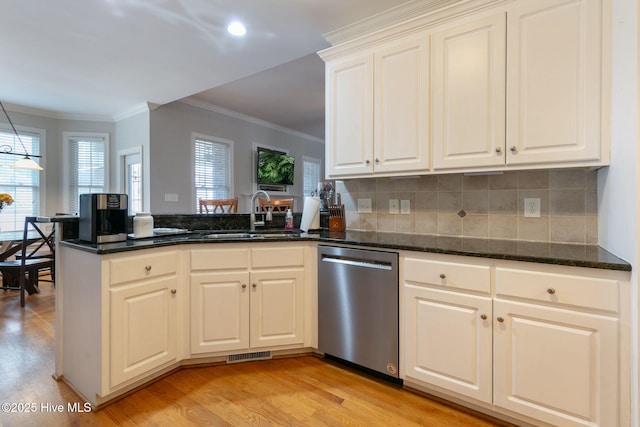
(102, 59)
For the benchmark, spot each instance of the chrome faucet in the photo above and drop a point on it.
(253, 221)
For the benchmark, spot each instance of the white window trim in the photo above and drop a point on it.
(202, 136)
(122, 155)
(42, 134)
(311, 160)
(66, 137)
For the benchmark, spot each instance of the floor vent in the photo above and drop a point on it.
(246, 357)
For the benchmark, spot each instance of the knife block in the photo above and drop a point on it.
(336, 223)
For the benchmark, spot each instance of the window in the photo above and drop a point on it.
(213, 162)
(23, 185)
(86, 166)
(311, 175)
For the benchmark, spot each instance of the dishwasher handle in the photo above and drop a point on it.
(380, 265)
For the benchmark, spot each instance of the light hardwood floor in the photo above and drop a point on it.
(300, 391)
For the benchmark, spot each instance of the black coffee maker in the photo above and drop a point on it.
(103, 217)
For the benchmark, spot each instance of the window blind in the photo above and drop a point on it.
(311, 175)
(212, 170)
(23, 185)
(86, 168)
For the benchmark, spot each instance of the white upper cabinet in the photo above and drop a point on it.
(378, 110)
(349, 116)
(401, 106)
(521, 85)
(469, 94)
(554, 82)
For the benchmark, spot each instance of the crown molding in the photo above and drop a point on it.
(405, 19)
(145, 107)
(390, 17)
(56, 115)
(250, 119)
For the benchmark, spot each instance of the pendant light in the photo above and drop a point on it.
(26, 162)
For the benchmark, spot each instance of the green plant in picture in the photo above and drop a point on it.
(275, 168)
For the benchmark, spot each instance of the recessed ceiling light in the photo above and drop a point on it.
(237, 29)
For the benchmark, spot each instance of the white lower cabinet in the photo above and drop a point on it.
(143, 314)
(246, 298)
(540, 343)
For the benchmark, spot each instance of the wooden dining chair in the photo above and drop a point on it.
(277, 205)
(224, 205)
(35, 253)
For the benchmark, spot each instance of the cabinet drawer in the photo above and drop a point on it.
(448, 274)
(557, 288)
(142, 267)
(219, 259)
(277, 257)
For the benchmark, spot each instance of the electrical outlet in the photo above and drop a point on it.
(364, 206)
(170, 197)
(405, 207)
(393, 206)
(532, 208)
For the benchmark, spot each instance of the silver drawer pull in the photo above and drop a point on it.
(147, 267)
(551, 291)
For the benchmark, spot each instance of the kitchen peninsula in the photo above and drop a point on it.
(135, 310)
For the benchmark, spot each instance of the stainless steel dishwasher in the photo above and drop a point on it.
(358, 307)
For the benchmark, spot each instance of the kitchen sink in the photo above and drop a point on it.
(261, 235)
(230, 236)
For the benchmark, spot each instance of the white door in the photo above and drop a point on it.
(555, 365)
(349, 116)
(469, 94)
(448, 340)
(401, 106)
(133, 181)
(554, 81)
(277, 308)
(219, 312)
(143, 327)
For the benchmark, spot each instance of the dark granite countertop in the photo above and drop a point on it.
(591, 256)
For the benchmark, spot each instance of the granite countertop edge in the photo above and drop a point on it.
(574, 255)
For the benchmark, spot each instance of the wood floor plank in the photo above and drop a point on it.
(296, 391)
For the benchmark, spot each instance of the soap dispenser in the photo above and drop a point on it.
(288, 220)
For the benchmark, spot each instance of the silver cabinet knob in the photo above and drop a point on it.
(367, 162)
(443, 276)
(500, 319)
(498, 150)
(513, 149)
(173, 291)
(483, 316)
(377, 161)
(551, 291)
(147, 267)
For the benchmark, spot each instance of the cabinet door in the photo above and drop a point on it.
(469, 94)
(349, 116)
(401, 106)
(277, 308)
(448, 340)
(143, 327)
(555, 365)
(554, 81)
(219, 312)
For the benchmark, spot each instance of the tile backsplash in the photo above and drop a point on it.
(481, 205)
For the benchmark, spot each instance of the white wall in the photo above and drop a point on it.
(619, 184)
(171, 153)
